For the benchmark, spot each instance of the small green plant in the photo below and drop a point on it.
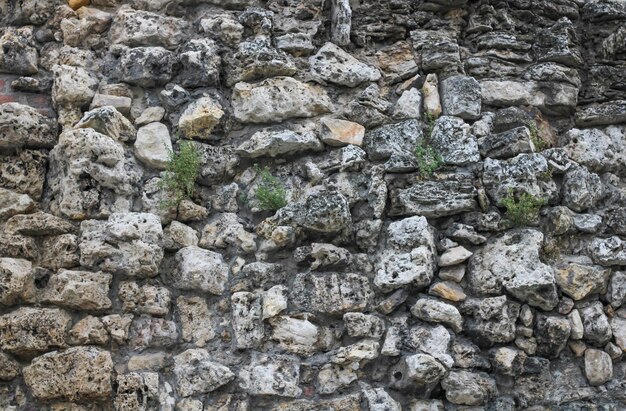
(539, 144)
(428, 160)
(270, 192)
(181, 173)
(523, 209)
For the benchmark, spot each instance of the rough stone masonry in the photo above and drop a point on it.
(377, 287)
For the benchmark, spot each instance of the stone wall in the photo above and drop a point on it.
(378, 286)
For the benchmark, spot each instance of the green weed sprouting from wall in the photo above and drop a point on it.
(523, 209)
(428, 159)
(270, 192)
(180, 175)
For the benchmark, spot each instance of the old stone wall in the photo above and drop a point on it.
(379, 285)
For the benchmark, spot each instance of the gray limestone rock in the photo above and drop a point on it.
(142, 28)
(16, 277)
(552, 333)
(79, 373)
(452, 139)
(146, 66)
(30, 331)
(271, 375)
(24, 126)
(247, 318)
(433, 310)
(341, 22)
(613, 112)
(490, 320)
(200, 63)
(17, 52)
(507, 144)
(200, 269)
(197, 374)
(79, 290)
(598, 366)
(73, 86)
(276, 142)
(597, 329)
(331, 293)
(608, 251)
(581, 189)
(468, 388)
(461, 97)
(109, 121)
(512, 262)
(128, 243)
(278, 99)
(257, 60)
(145, 299)
(333, 65)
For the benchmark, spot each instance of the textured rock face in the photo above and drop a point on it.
(79, 373)
(399, 205)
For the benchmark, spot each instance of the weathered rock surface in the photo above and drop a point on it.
(23, 126)
(200, 269)
(332, 64)
(197, 374)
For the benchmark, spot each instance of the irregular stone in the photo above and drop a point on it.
(200, 63)
(409, 105)
(410, 256)
(109, 121)
(613, 112)
(467, 388)
(581, 189)
(341, 22)
(363, 350)
(461, 97)
(521, 174)
(436, 51)
(128, 243)
(271, 375)
(608, 252)
(618, 327)
(17, 52)
(506, 144)
(200, 269)
(490, 320)
(197, 323)
(178, 235)
(331, 293)
(379, 400)
(197, 374)
(551, 98)
(91, 175)
(120, 103)
(278, 99)
(299, 336)
(150, 115)
(468, 355)
(447, 290)
(146, 66)
(364, 325)
(142, 28)
(28, 331)
(332, 377)
(598, 366)
(454, 273)
(581, 280)
(135, 391)
(339, 133)
(596, 324)
(15, 277)
(432, 310)
(397, 63)
(216, 164)
(200, 118)
(79, 290)
(576, 324)
(146, 299)
(274, 301)
(552, 334)
(153, 145)
(227, 231)
(420, 370)
(60, 251)
(89, 330)
(453, 256)
(73, 86)
(332, 64)
(442, 195)
(512, 262)
(24, 173)
(81, 373)
(599, 150)
(12, 203)
(451, 138)
(296, 44)
(118, 326)
(349, 402)
(430, 91)
(247, 318)
(149, 332)
(9, 368)
(432, 340)
(393, 140)
(258, 60)
(274, 143)
(617, 289)
(24, 126)
(150, 361)
(328, 255)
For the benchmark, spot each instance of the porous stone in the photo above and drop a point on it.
(512, 262)
(299, 336)
(506, 144)
(79, 290)
(467, 388)
(197, 374)
(278, 99)
(331, 293)
(461, 97)
(15, 278)
(24, 126)
(29, 331)
(271, 375)
(80, 373)
(72, 86)
(274, 143)
(12, 203)
(258, 60)
(109, 121)
(452, 139)
(142, 28)
(200, 63)
(200, 117)
(146, 299)
(332, 64)
(490, 320)
(200, 269)
(608, 252)
(581, 280)
(17, 52)
(146, 66)
(247, 317)
(433, 310)
(89, 330)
